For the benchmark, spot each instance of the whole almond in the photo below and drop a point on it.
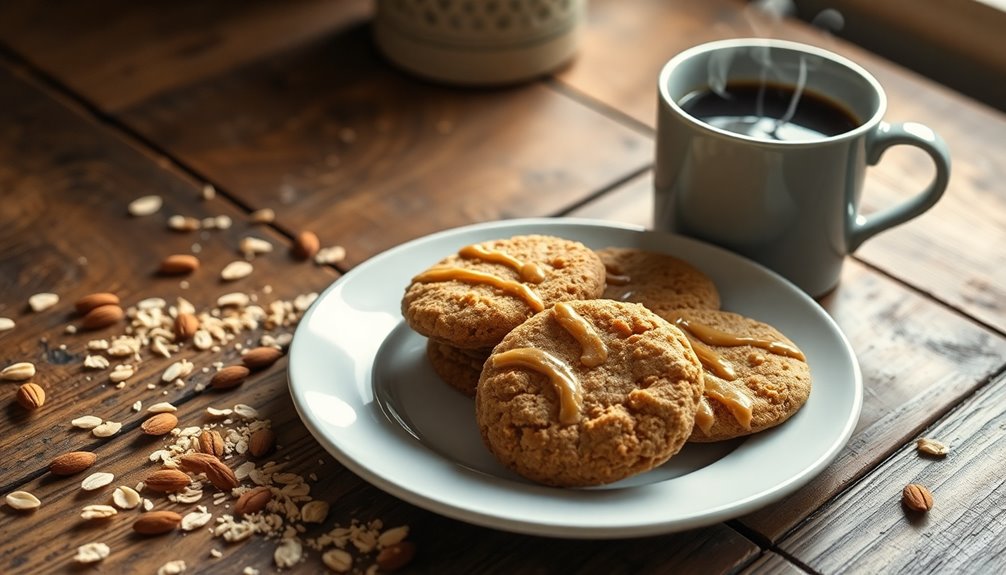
(217, 472)
(186, 325)
(253, 501)
(211, 443)
(31, 396)
(306, 245)
(261, 442)
(72, 462)
(156, 522)
(91, 301)
(159, 424)
(917, 497)
(102, 316)
(396, 556)
(261, 357)
(230, 376)
(167, 481)
(178, 264)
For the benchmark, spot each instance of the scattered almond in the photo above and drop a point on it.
(195, 520)
(22, 501)
(917, 497)
(228, 377)
(96, 481)
(159, 424)
(91, 553)
(162, 407)
(96, 362)
(186, 325)
(156, 522)
(121, 372)
(261, 442)
(396, 556)
(103, 316)
(253, 501)
(42, 301)
(393, 536)
(31, 396)
(211, 442)
(97, 512)
(306, 245)
(6, 323)
(72, 462)
(221, 476)
(932, 447)
(179, 264)
(145, 205)
(236, 270)
(252, 246)
(126, 497)
(91, 301)
(261, 357)
(18, 371)
(167, 481)
(177, 370)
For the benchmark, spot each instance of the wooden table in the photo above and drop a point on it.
(288, 106)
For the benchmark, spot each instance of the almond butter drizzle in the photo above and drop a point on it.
(471, 276)
(594, 351)
(529, 271)
(704, 415)
(738, 403)
(559, 374)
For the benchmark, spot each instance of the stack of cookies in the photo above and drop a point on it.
(588, 366)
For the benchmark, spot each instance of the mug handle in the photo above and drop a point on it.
(885, 136)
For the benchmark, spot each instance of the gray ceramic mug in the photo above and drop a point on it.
(790, 204)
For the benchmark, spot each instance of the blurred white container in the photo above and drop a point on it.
(479, 42)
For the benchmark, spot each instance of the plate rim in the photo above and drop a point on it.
(556, 527)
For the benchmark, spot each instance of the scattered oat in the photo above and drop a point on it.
(96, 362)
(216, 553)
(145, 205)
(96, 481)
(252, 246)
(18, 371)
(338, 560)
(181, 223)
(86, 422)
(126, 497)
(314, 511)
(288, 553)
(97, 512)
(932, 447)
(106, 429)
(137, 405)
(213, 411)
(202, 340)
(245, 411)
(42, 301)
(393, 536)
(6, 323)
(196, 519)
(209, 192)
(176, 567)
(91, 553)
(263, 216)
(121, 373)
(235, 299)
(177, 370)
(22, 501)
(236, 270)
(162, 407)
(330, 255)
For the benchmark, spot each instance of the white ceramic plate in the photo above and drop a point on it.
(361, 383)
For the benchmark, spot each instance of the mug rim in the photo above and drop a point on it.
(692, 52)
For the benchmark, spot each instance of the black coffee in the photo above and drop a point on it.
(767, 111)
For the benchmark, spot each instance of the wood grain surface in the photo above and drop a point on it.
(288, 106)
(867, 529)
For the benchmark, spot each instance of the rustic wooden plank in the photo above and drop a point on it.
(65, 229)
(340, 140)
(117, 53)
(955, 240)
(918, 360)
(867, 530)
(772, 563)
